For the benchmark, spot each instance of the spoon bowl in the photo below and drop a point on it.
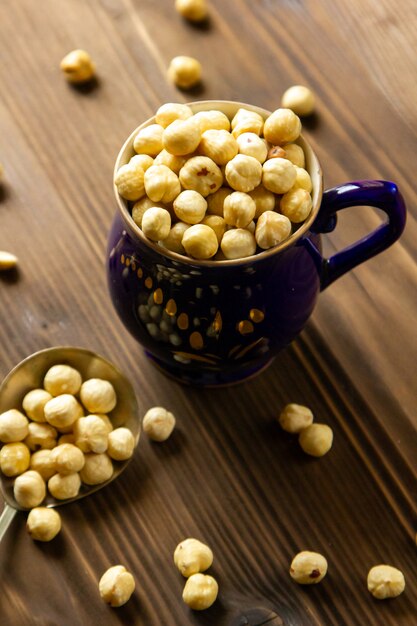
(29, 374)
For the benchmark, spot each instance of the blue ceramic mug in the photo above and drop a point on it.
(219, 322)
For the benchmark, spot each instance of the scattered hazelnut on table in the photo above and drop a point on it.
(316, 439)
(7, 260)
(14, 458)
(158, 423)
(116, 586)
(192, 10)
(29, 489)
(191, 556)
(121, 444)
(299, 99)
(61, 379)
(34, 403)
(308, 568)
(294, 418)
(64, 486)
(385, 581)
(14, 426)
(200, 592)
(98, 395)
(43, 524)
(78, 67)
(184, 71)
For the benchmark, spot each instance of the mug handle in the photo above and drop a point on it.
(381, 194)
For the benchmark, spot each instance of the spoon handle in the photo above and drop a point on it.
(6, 517)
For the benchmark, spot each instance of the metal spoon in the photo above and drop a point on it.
(29, 375)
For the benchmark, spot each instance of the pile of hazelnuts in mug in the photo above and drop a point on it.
(207, 187)
(62, 437)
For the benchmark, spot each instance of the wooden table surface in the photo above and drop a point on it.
(228, 475)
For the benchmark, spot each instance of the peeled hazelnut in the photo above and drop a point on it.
(34, 402)
(200, 592)
(193, 10)
(244, 173)
(63, 411)
(299, 99)
(158, 423)
(41, 436)
(61, 379)
(184, 71)
(171, 111)
(13, 426)
(42, 462)
(149, 140)
(64, 486)
(192, 556)
(308, 568)
(385, 581)
(116, 586)
(97, 469)
(43, 524)
(282, 126)
(121, 444)
(98, 396)
(78, 67)
(67, 458)
(200, 241)
(296, 204)
(29, 489)
(316, 439)
(201, 174)
(14, 458)
(91, 434)
(295, 417)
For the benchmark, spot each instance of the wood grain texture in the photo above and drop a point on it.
(228, 476)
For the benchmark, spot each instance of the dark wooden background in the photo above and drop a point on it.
(228, 475)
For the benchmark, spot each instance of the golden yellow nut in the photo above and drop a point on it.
(200, 242)
(238, 243)
(251, 227)
(158, 423)
(161, 184)
(121, 444)
(14, 459)
(252, 145)
(190, 206)
(129, 181)
(278, 175)
(239, 209)
(34, 403)
(247, 122)
(171, 111)
(156, 223)
(201, 174)
(296, 204)
(14, 426)
(106, 421)
(184, 71)
(78, 67)
(295, 154)
(7, 260)
(276, 152)
(174, 162)
(308, 568)
(316, 440)
(149, 140)
(29, 489)
(61, 379)
(182, 136)
(212, 120)
(294, 418)
(67, 458)
(43, 463)
(91, 434)
(385, 581)
(143, 161)
(218, 145)
(215, 201)
(116, 586)
(271, 229)
(303, 180)
(217, 223)
(193, 10)
(97, 469)
(243, 173)
(43, 524)
(64, 486)
(67, 438)
(282, 126)
(264, 200)
(192, 556)
(141, 206)
(98, 395)
(174, 240)
(200, 592)
(63, 411)
(299, 99)
(41, 436)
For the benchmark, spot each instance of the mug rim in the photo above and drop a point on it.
(312, 166)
